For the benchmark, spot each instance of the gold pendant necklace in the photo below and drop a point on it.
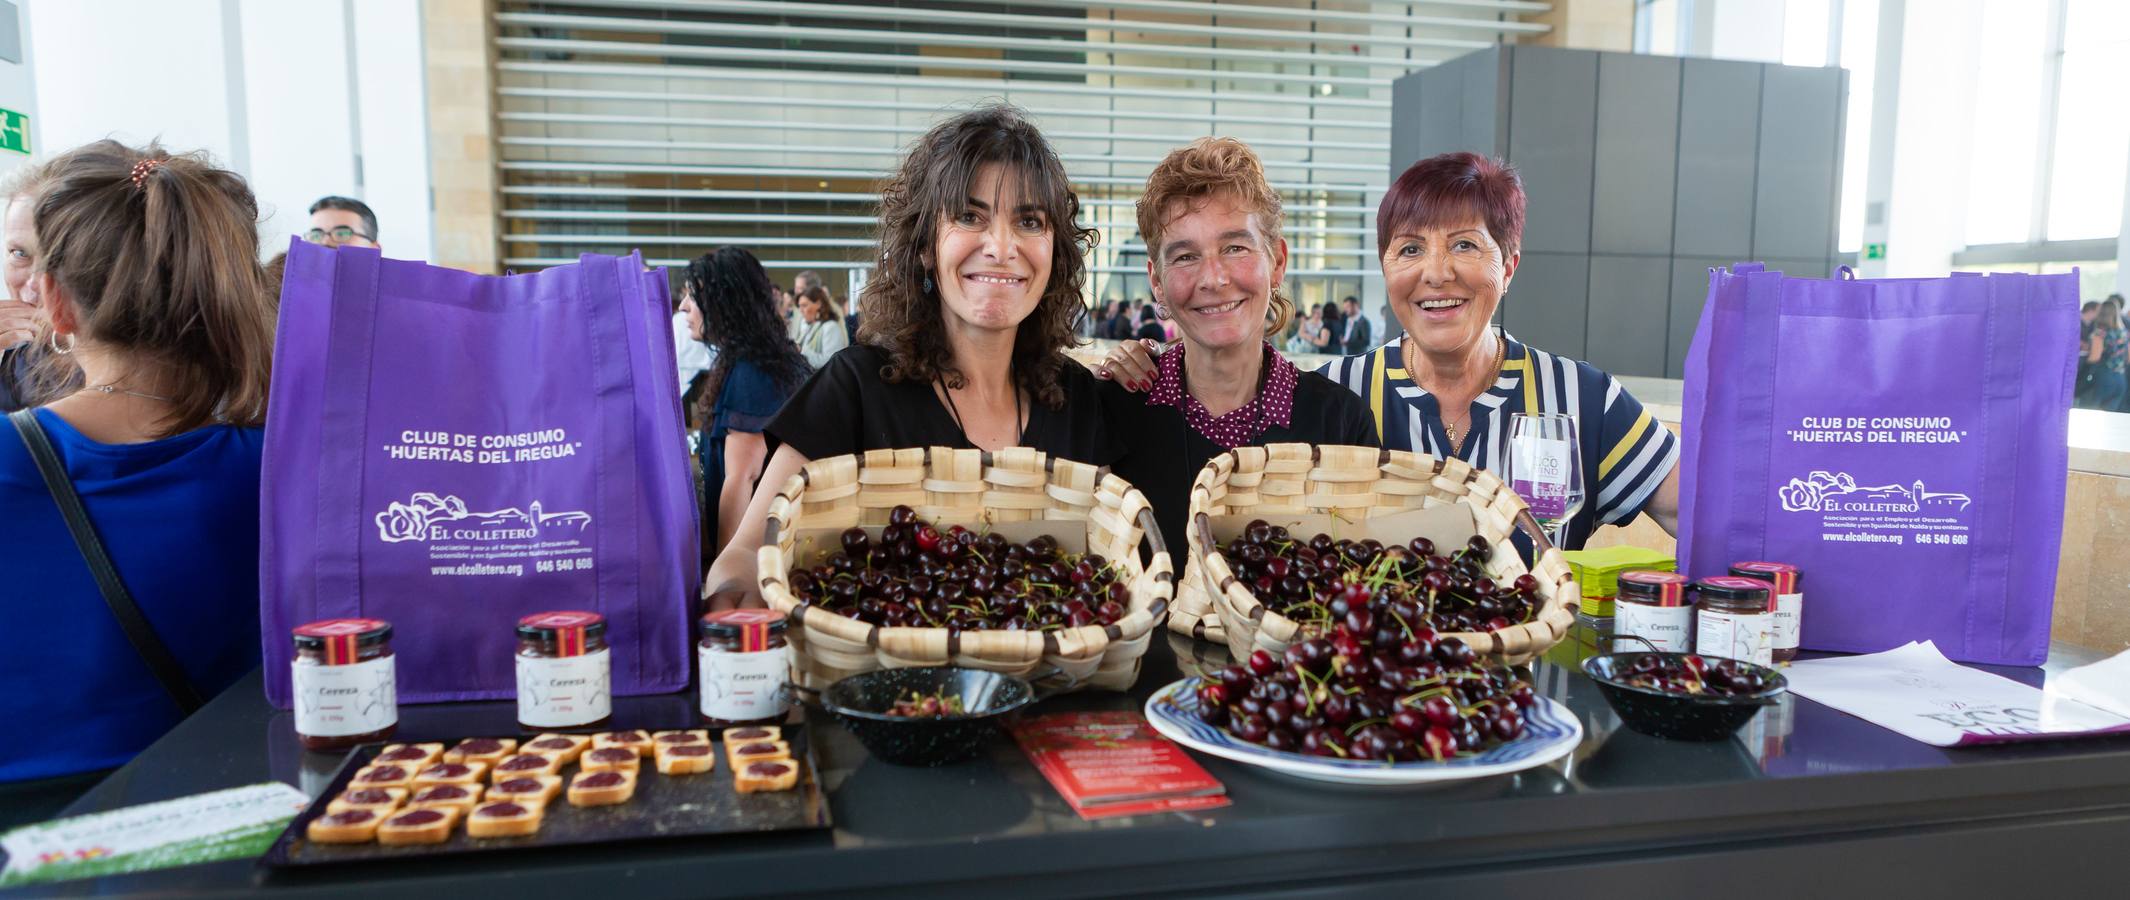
(1501, 351)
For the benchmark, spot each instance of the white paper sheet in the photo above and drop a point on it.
(2103, 685)
(1916, 691)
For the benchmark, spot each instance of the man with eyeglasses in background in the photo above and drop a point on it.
(343, 222)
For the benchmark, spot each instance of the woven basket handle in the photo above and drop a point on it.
(1152, 530)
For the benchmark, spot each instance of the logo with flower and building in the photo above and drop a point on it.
(1838, 492)
(432, 517)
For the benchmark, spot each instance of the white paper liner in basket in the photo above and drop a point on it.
(1357, 483)
(971, 488)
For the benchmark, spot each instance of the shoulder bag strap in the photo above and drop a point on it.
(138, 631)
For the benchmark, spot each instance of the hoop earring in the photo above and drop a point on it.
(54, 341)
(1161, 311)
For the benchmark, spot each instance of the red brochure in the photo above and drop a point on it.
(1114, 764)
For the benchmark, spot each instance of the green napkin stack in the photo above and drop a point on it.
(1598, 572)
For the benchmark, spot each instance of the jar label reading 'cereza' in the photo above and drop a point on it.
(564, 691)
(1788, 616)
(1670, 628)
(742, 687)
(359, 698)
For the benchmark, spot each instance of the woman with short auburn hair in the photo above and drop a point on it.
(1216, 261)
(975, 298)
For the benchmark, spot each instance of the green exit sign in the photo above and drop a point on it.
(14, 131)
(1875, 251)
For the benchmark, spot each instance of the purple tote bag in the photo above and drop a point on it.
(450, 452)
(1902, 441)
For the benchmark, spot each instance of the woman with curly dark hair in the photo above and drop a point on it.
(756, 370)
(973, 301)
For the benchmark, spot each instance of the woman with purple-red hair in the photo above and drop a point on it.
(1449, 231)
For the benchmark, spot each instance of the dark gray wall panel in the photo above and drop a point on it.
(1719, 114)
(1630, 303)
(1486, 111)
(1799, 124)
(1689, 288)
(1552, 137)
(1441, 111)
(1408, 117)
(1636, 153)
(1449, 107)
(1547, 302)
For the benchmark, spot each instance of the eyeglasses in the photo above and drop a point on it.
(338, 234)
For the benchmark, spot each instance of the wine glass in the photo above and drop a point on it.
(1546, 469)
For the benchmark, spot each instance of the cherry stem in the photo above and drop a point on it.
(1364, 723)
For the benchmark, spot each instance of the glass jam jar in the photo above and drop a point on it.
(345, 682)
(1735, 620)
(745, 667)
(1789, 602)
(565, 674)
(1655, 607)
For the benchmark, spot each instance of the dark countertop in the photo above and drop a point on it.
(1806, 801)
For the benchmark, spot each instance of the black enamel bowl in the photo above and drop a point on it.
(1679, 717)
(861, 702)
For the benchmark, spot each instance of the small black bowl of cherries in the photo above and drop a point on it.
(1684, 696)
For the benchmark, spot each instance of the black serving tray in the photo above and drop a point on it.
(665, 806)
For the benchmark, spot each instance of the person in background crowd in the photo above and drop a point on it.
(979, 280)
(343, 222)
(1326, 340)
(2087, 316)
(800, 284)
(1112, 311)
(757, 368)
(18, 311)
(2108, 351)
(692, 357)
(148, 274)
(1150, 325)
(823, 335)
(1356, 339)
(1118, 325)
(1308, 337)
(787, 310)
(1449, 229)
(1216, 261)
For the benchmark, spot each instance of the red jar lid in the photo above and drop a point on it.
(1783, 576)
(568, 630)
(751, 628)
(342, 640)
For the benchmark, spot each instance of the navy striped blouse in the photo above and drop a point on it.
(1627, 448)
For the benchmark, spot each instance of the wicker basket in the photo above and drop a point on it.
(971, 488)
(1357, 483)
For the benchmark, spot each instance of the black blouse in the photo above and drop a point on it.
(1163, 453)
(846, 407)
